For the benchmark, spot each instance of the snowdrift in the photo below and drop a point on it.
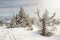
(22, 34)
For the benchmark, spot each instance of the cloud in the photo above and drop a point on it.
(13, 6)
(8, 4)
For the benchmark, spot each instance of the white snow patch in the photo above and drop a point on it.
(20, 34)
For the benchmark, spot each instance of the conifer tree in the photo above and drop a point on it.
(13, 21)
(46, 21)
(24, 18)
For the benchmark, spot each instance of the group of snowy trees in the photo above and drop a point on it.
(44, 21)
(21, 20)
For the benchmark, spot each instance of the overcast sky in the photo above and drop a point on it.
(8, 7)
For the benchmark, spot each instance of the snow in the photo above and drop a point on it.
(22, 34)
(3, 27)
(7, 21)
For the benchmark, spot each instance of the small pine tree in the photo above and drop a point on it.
(24, 18)
(45, 21)
(29, 22)
(13, 21)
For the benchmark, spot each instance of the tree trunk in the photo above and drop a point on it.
(43, 28)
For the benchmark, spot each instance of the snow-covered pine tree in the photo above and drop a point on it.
(24, 19)
(29, 22)
(13, 21)
(45, 21)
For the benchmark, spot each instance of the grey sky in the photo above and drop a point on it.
(8, 7)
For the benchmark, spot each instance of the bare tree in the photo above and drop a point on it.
(46, 21)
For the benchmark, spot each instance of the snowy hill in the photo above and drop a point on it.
(5, 18)
(22, 34)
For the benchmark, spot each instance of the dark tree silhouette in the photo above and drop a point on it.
(46, 21)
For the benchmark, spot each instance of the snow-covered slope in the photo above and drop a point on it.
(22, 34)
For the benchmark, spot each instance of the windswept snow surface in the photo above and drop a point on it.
(22, 34)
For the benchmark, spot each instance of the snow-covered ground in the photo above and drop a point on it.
(22, 34)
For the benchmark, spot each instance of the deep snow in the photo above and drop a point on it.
(22, 34)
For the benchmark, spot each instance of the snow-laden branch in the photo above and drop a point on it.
(49, 18)
(45, 15)
(38, 14)
(55, 22)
